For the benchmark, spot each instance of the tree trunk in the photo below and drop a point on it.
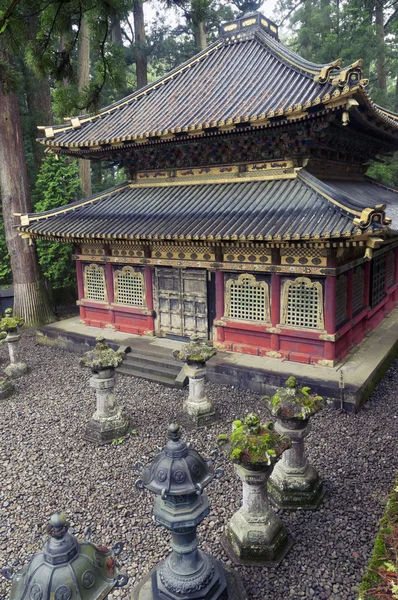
(396, 95)
(381, 66)
(141, 60)
(38, 98)
(84, 80)
(30, 300)
(200, 36)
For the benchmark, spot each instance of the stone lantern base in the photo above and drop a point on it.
(255, 535)
(294, 489)
(262, 543)
(15, 370)
(103, 430)
(6, 389)
(231, 588)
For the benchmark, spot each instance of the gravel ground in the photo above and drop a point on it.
(46, 466)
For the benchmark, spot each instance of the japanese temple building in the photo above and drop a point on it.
(247, 217)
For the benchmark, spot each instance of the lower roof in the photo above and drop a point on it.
(283, 209)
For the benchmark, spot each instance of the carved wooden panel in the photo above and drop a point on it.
(129, 287)
(302, 304)
(247, 299)
(341, 299)
(378, 278)
(94, 283)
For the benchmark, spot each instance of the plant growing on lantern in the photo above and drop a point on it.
(291, 402)
(253, 444)
(9, 323)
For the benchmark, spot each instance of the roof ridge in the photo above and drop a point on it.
(282, 52)
(381, 184)
(140, 92)
(77, 203)
(331, 194)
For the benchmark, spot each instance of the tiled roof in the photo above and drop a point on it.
(299, 208)
(369, 192)
(248, 78)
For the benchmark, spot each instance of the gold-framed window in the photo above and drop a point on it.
(247, 299)
(95, 283)
(302, 304)
(129, 286)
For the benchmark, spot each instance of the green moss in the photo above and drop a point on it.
(383, 554)
(222, 438)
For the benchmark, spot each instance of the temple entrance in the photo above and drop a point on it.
(181, 302)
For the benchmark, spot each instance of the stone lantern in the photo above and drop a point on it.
(67, 569)
(255, 535)
(9, 324)
(197, 407)
(109, 421)
(294, 483)
(178, 476)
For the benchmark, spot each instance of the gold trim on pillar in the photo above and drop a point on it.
(247, 299)
(302, 304)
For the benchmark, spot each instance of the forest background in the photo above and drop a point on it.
(60, 58)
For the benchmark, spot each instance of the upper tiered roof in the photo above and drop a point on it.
(246, 78)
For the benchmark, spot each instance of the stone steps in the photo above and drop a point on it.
(154, 365)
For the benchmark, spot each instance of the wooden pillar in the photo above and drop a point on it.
(396, 266)
(110, 290)
(219, 304)
(350, 297)
(275, 308)
(330, 316)
(109, 283)
(148, 288)
(367, 283)
(330, 304)
(80, 287)
(350, 292)
(219, 294)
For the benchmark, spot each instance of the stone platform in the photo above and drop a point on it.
(364, 366)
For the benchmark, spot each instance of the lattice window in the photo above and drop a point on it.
(302, 304)
(358, 300)
(129, 287)
(341, 299)
(378, 279)
(391, 269)
(94, 283)
(247, 299)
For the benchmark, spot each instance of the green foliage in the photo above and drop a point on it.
(5, 267)
(57, 184)
(291, 402)
(381, 577)
(252, 443)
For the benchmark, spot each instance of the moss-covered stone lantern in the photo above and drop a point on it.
(9, 326)
(67, 569)
(294, 483)
(255, 535)
(178, 477)
(197, 407)
(109, 421)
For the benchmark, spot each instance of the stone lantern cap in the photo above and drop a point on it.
(67, 569)
(195, 352)
(178, 469)
(291, 402)
(101, 357)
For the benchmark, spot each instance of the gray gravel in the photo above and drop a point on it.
(46, 466)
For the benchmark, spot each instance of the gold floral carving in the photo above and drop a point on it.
(273, 354)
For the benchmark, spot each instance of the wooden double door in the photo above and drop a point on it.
(181, 302)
